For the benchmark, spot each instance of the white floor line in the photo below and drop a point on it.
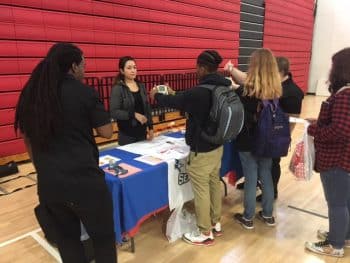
(8, 242)
(53, 252)
(38, 239)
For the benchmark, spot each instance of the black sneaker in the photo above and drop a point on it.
(247, 224)
(270, 221)
(240, 186)
(259, 198)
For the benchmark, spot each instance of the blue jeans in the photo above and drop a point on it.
(254, 168)
(336, 186)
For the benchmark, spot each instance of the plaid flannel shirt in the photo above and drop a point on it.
(332, 132)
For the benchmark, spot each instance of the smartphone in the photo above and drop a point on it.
(162, 89)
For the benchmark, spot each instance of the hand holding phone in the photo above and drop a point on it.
(163, 89)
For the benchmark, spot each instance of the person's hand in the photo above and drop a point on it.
(153, 92)
(170, 90)
(141, 118)
(311, 120)
(234, 85)
(228, 66)
(150, 135)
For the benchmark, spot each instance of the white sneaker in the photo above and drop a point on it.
(323, 235)
(324, 248)
(217, 232)
(198, 238)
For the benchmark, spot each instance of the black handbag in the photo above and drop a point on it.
(8, 169)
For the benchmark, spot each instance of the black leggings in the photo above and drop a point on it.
(276, 174)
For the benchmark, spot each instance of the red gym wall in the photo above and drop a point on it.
(164, 37)
(288, 30)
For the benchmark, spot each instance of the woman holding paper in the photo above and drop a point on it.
(331, 133)
(129, 105)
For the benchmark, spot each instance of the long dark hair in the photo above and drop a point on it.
(121, 65)
(339, 75)
(39, 108)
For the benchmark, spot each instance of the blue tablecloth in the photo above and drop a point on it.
(139, 195)
(230, 161)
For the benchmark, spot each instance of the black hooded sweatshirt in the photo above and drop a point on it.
(196, 102)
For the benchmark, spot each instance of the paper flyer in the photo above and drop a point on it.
(162, 147)
(148, 159)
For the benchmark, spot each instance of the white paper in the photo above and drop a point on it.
(162, 147)
(103, 160)
(148, 159)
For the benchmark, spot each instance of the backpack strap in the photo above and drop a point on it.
(272, 103)
(199, 127)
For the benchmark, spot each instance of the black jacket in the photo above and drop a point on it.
(68, 170)
(122, 105)
(244, 140)
(292, 96)
(196, 102)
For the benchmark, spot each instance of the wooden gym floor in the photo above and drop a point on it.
(21, 239)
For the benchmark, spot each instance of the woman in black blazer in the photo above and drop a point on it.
(129, 105)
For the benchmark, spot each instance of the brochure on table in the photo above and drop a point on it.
(174, 151)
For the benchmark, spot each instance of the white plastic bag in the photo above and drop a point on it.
(303, 158)
(180, 222)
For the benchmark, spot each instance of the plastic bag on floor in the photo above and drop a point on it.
(180, 222)
(303, 158)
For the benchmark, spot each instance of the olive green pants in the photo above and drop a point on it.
(203, 170)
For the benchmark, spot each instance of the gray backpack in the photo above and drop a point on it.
(226, 115)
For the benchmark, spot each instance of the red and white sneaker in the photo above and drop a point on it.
(198, 238)
(217, 231)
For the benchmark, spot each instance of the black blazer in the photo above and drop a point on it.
(122, 103)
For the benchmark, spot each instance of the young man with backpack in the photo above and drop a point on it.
(206, 150)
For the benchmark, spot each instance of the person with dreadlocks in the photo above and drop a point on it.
(56, 114)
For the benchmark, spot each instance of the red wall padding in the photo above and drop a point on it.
(7, 133)
(164, 36)
(12, 147)
(288, 32)
(7, 116)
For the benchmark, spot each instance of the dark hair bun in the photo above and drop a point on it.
(217, 57)
(209, 58)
